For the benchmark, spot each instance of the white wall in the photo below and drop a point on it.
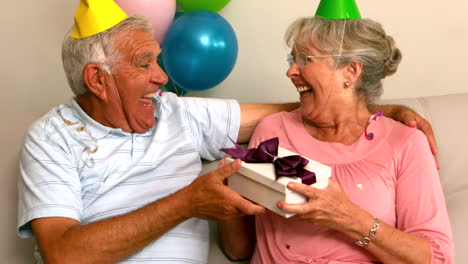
(432, 34)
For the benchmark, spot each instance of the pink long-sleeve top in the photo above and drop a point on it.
(393, 177)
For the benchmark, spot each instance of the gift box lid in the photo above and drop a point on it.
(264, 173)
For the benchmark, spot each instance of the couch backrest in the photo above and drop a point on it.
(448, 116)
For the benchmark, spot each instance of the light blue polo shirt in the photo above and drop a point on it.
(71, 166)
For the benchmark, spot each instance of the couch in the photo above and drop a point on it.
(446, 114)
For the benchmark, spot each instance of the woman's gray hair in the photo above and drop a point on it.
(364, 41)
(77, 53)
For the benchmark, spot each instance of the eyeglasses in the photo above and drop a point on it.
(301, 59)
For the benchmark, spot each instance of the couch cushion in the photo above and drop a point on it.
(448, 116)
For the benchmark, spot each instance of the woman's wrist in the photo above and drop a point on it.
(361, 223)
(366, 240)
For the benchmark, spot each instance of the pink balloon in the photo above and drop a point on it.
(159, 13)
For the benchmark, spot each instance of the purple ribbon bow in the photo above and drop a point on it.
(267, 152)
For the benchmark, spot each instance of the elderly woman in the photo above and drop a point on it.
(384, 203)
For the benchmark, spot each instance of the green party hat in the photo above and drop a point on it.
(338, 9)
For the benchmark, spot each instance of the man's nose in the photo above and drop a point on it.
(159, 76)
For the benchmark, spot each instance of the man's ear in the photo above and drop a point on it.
(95, 79)
(353, 71)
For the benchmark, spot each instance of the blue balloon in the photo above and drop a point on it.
(200, 50)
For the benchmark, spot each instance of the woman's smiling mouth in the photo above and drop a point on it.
(304, 90)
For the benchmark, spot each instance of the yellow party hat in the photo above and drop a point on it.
(95, 16)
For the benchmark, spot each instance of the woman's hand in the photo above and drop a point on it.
(329, 207)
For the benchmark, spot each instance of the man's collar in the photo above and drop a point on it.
(97, 130)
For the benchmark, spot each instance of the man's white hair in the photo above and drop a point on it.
(77, 53)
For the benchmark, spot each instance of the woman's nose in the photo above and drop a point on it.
(292, 71)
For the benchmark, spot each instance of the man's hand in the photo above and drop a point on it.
(412, 119)
(211, 199)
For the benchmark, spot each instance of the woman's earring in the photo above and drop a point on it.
(346, 84)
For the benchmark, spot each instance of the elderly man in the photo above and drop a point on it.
(114, 175)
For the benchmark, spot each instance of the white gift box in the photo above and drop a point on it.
(257, 182)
